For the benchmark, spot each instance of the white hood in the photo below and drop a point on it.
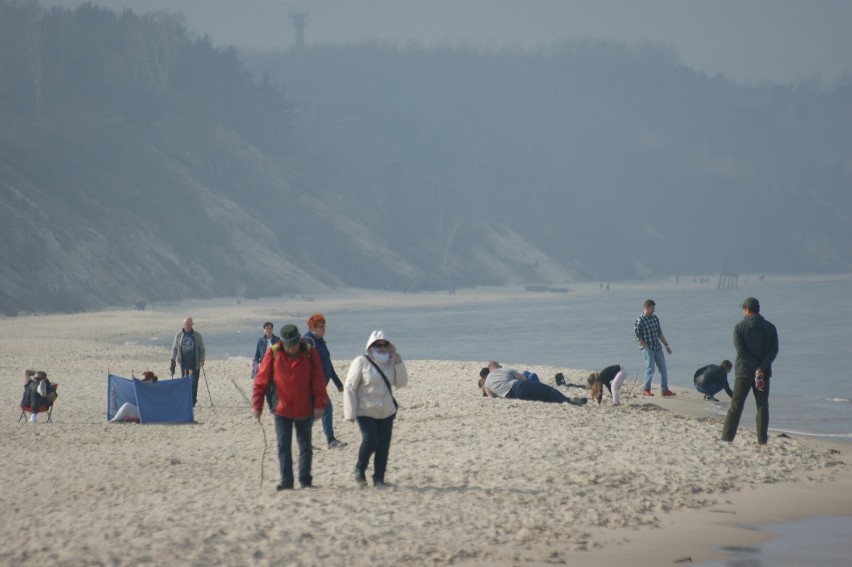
(377, 335)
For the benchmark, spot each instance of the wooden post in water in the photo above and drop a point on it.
(727, 280)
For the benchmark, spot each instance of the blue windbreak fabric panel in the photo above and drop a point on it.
(164, 401)
(119, 391)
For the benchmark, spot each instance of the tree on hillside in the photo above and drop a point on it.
(33, 34)
(158, 39)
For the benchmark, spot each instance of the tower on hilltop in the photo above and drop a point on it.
(298, 21)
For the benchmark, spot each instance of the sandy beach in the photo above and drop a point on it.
(475, 481)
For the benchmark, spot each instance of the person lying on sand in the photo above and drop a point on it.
(499, 382)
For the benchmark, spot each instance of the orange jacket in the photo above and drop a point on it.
(299, 381)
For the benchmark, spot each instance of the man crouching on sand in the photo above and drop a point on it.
(509, 383)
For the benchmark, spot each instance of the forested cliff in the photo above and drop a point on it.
(137, 161)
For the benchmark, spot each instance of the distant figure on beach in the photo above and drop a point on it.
(316, 337)
(129, 412)
(612, 377)
(188, 351)
(712, 379)
(649, 335)
(509, 383)
(294, 367)
(38, 391)
(756, 343)
(368, 400)
(267, 340)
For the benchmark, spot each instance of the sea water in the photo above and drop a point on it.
(821, 541)
(810, 391)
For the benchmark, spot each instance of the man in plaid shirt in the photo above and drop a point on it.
(649, 335)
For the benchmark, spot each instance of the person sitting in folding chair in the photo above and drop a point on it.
(39, 395)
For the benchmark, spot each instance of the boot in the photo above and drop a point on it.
(560, 379)
(359, 476)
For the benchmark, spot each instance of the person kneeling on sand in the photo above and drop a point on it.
(712, 379)
(129, 412)
(612, 377)
(509, 383)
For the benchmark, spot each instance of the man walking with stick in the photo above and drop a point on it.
(294, 368)
(188, 351)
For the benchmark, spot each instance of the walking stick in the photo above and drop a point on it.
(203, 373)
(262, 430)
(633, 385)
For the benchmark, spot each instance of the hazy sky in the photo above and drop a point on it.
(750, 41)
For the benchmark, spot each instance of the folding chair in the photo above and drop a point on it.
(43, 408)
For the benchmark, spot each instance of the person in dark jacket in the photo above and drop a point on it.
(316, 337)
(38, 393)
(266, 341)
(756, 343)
(712, 379)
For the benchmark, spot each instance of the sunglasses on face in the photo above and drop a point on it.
(381, 344)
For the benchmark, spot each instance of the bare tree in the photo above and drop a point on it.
(158, 42)
(32, 45)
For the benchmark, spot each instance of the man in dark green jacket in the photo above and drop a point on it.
(756, 343)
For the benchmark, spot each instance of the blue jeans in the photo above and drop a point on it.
(652, 357)
(284, 433)
(538, 392)
(531, 376)
(328, 421)
(375, 439)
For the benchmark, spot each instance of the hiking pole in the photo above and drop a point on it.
(207, 385)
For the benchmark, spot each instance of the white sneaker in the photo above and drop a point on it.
(34, 418)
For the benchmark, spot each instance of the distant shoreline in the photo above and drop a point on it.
(360, 298)
(365, 298)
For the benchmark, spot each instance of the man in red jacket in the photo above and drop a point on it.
(300, 397)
